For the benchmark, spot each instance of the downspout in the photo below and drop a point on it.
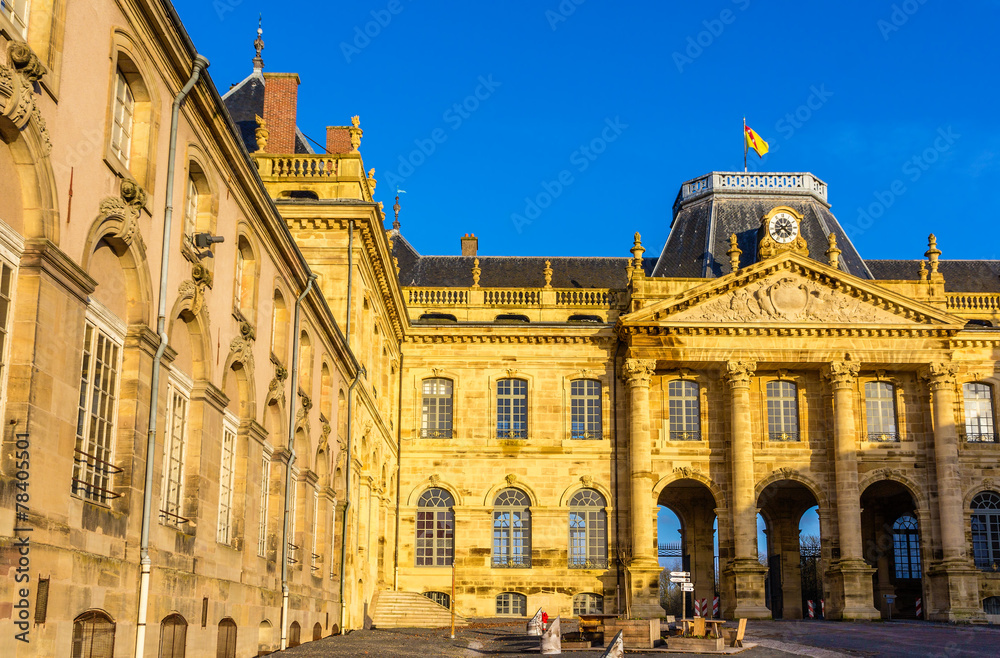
(614, 413)
(291, 460)
(350, 273)
(347, 498)
(399, 466)
(199, 64)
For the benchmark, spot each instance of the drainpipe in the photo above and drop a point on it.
(200, 63)
(347, 497)
(350, 273)
(291, 460)
(614, 413)
(399, 465)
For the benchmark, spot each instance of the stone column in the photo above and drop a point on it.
(954, 579)
(851, 582)
(644, 569)
(746, 571)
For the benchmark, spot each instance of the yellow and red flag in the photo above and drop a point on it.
(754, 141)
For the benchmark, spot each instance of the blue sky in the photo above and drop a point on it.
(598, 111)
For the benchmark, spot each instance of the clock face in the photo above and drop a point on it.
(783, 228)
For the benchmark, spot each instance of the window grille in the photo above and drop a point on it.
(435, 545)
(512, 530)
(880, 408)
(684, 405)
(585, 409)
(512, 409)
(980, 426)
(124, 113)
(782, 411)
(588, 531)
(436, 416)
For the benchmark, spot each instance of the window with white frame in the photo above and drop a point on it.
(585, 409)
(588, 604)
(435, 545)
(880, 408)
(16, 11)
(227, 474)
(512, 603)
(123, 114)
(588, 531)
(980, 426)
(93, 466)
(174, 449)
(986, 531)
(314, 564)
(292, 546)
(782, 411)
(265, 485)
(684, 406)
(512, 530)
(512, 409)
(191, 209)
(436, 413)
(8, 275)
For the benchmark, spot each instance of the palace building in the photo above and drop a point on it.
(229, 447)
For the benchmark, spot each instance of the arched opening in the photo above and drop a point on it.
(687, 541)
(782, 505)
(246, 280)
(93, 635)
(265, 641)
(132, 121)
(112, 290)
(173, 636)
(279, 327)
(305, 364)
(197, 206)
(294, 634)
(317, 631)
(890, 535)
(11, 207)
(226, 647)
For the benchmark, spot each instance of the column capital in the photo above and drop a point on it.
(738, 373)
(940, 375)
(841, 374)
(638, 372)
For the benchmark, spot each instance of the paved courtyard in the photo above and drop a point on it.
(498, 637)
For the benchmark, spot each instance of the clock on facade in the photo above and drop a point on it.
(783, 228)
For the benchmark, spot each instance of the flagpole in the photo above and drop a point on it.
(744, 145)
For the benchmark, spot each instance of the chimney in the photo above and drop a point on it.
(338, 139)
(281, 92)
(470, 245)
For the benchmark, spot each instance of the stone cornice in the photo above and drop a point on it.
(600, 341)
(42, 254)
(807, 330)
(203, 390)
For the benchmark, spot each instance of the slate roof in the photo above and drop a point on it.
(959, 275)
(509, 271)
(245, 101)
(699, 234)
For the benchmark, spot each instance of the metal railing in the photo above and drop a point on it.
(511, 434)
(512, 562)
(173, 519)
(314, 566)
(586, 435)
(684, 435)
(670, 549)
(91, 466)
(292, 548)
(980, 437)
(428, 433)
(883, 437)
(784, 437)
(588, 562)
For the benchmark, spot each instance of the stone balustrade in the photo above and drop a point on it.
(602, 298)
(973, 302)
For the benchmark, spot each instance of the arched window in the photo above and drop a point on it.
(317, 631)
(435, 529)
(986, 531)
(197, 206)
(512, 604)
(980, 425)
(131, 121)
(123, 115)
(782, 411)
(588, 604)
(294, 634)
(93, 635)
(880, 408)
(441, 598)
(246, 280)
(305, 363)
(906, 547)
(226, 648)
(342, 416)
(512, 409)
(588, 531)
(512, 530)
(264, 641)
(173, 636)
(585, 409)
(279, 327)
(436, 414)
(684, 406)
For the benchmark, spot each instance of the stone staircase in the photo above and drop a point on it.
(410, 610)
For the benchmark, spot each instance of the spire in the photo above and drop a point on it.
(258, 45)
(395, 209)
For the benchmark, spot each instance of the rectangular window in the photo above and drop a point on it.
(880, 408)
(684, 406)
(292, 546)
(265, 485)
(979, 423)
(16, 11)
(124, 111)
(174, 447)
(782, 411)
(6, 296)
(314, 565)
(585, 409)
(435, 420)
(512, 409)
(92, 459)
(226, 476)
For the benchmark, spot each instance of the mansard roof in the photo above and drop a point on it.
(959, 275)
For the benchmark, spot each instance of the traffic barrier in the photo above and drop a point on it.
(920, 608)
(715, 608)
(812, 609)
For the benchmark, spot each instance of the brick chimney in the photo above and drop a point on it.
(338, 139)
(281, 94)
(470, 245)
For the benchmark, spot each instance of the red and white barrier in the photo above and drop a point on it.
(812, 609)
(700, 608)
(920, 608)
(822, 609)
(715, 608)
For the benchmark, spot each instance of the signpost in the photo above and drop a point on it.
(684, 578)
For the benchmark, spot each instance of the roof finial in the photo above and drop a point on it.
(832, 252)
(734, 253)
(932, 254)
(395, 209)
(258, 45)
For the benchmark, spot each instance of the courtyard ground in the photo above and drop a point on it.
(501, 637)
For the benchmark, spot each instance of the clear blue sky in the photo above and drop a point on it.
(851, 91)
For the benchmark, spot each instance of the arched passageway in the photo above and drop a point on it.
(689, 506)
(782, 505)
(891, 532)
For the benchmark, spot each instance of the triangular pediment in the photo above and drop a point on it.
(792, 289)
